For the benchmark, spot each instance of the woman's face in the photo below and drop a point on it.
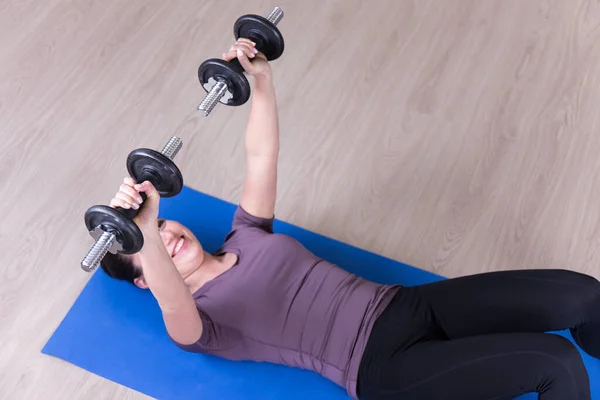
(181, 244)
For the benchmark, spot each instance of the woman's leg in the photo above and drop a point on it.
(488, 367)
(492, 322)
(516, 301)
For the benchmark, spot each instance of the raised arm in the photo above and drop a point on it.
(262, 133)
(160, 275)
(177, 305)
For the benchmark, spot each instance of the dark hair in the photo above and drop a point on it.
(120, 267)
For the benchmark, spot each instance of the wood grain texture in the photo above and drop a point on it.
(458, 136)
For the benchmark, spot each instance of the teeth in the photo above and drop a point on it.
(179, 245)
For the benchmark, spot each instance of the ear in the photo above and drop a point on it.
(140, 282)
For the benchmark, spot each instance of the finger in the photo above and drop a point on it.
(261, 55)
(129, 190)
(247, 49)
(129, 181)
(246, 41)
(247, 46)
(114, 203)
(244, 61)
(147, 188)
(230, 55)
(251, 47)
(128, 199)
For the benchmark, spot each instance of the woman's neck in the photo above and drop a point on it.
(211, 267)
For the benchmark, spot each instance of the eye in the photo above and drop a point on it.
(161, 224)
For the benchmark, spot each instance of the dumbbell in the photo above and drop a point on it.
(113, 228)
(225, 81)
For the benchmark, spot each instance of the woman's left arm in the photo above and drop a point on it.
(262, 151)
(262, 134)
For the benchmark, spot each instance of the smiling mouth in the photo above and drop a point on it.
(178, 246)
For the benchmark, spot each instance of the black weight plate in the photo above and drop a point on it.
(231, 73)
(267, 37)
(111, 220)
(150, 165)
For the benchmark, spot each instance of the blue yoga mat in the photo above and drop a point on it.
(115, 330)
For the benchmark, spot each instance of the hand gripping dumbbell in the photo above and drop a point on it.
(113, 228)
(225, 81)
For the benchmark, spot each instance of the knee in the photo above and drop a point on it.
(586, 286)
(578, 278)
(564, 367)
(561, 348)
(567, 358)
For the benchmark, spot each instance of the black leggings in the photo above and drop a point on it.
(481, 338)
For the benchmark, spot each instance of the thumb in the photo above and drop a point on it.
(148, 188)
(149, 208)
(244, 61)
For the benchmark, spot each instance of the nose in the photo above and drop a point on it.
(168, 237)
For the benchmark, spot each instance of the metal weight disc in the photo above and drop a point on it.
(231, 73)
(150, 165)
(111, 220)
(267, 37)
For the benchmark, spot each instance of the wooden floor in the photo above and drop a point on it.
(459, 136)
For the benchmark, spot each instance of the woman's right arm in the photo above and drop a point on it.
(178, 307)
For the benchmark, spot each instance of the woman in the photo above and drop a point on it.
(264, 297)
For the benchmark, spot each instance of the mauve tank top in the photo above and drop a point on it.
(282, 304)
